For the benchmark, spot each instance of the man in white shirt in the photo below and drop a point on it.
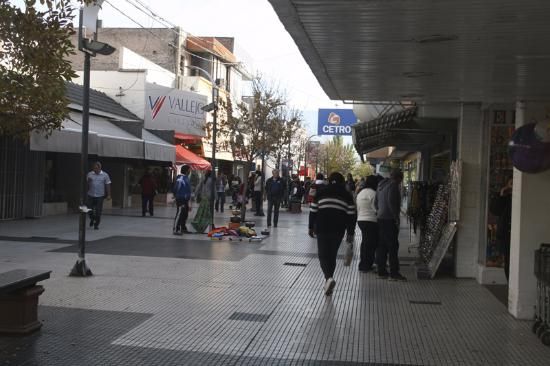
(99, 188)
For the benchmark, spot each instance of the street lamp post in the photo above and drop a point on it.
(212, 107)
(90, 48)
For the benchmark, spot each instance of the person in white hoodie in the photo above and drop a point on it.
(367, 221)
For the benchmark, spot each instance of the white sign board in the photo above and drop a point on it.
(174, 109)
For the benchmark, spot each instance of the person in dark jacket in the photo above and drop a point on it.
(182, 194)
(501, 206)
(332, 214)
(275, 188)
(148, 191)
(388, 206)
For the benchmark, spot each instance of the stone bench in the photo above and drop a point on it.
(19, 294)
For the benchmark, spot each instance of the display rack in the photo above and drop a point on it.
(500, 169)
(435, 223)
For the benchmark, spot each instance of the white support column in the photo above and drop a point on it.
(530, 224)
(470, 140)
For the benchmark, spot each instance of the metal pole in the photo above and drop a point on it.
(80, 268)
(261, 213)
(214, 133)
(288, 175)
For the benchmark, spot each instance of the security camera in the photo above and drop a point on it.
(209, 107)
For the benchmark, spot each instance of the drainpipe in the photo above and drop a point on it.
(179, 42)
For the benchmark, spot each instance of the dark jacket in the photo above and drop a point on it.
(275, 188)
(388, 200)
(501, 206)
(182, 188)
(333, 209)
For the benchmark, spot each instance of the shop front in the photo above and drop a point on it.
(500, 122)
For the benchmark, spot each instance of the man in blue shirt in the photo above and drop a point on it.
(99, 188)
(182, 193)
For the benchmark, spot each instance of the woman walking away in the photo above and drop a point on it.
(203, 217)
(367, 221)
(332, 214)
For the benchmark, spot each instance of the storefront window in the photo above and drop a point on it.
(51, 190)
(500, 170)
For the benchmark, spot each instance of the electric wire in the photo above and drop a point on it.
(170, 27)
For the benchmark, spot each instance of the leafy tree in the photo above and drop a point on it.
(362, 169)
(34, 45)
(337, 157)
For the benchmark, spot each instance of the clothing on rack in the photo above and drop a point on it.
(420, 201)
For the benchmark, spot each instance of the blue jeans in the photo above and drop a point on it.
(273, 205)
(220, 196)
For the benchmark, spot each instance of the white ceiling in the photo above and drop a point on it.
(499, 50)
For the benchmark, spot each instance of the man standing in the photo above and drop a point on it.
(332, 214)
(99, 188)
(388, 206)
(275, 188)
(220, 191)
(148, 190)
(182, 193)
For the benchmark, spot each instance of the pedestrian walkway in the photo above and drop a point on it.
(158, 299)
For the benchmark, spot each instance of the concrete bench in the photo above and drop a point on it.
(19, 294)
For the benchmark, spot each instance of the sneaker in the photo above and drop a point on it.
(398, 277)
(96, 227)
(329, 286)
(185, 231)
(176, 232)
(349, 254)
(382, 276)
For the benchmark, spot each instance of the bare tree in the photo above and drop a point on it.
(253, 129)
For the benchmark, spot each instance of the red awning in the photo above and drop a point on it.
(186, 137)
(184, 156)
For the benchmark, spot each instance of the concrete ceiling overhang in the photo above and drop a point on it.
(424, 50)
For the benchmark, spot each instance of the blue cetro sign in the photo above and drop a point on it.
(335, 121)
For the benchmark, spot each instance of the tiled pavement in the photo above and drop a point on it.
(156, 299)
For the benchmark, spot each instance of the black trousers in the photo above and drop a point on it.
(258, 202)
(181, 215)
(273, 206)
(96, 206)
(328, 243)
(147, 203)
(369, 243)
(388, 245)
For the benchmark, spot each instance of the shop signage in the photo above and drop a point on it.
(174, 109)
(335, 121)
